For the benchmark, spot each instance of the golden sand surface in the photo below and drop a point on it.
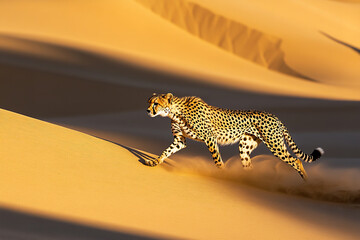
(75, 77)
(66, 174)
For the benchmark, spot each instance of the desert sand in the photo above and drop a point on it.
(75, 77)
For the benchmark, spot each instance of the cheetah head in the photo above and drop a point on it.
(159, 104)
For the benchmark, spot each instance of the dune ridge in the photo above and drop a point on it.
(234, 37)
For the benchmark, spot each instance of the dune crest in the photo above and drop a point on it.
(234, 37)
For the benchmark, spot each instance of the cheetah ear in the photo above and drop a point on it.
(150, 98)
(169, 97)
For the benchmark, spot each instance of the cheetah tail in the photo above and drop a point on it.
(316, 154)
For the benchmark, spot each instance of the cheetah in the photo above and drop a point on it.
(192, 118)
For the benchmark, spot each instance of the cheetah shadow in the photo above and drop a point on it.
(142, 157)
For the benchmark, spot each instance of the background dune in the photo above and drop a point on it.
(86, 69)
(156, 43)
(227, 34)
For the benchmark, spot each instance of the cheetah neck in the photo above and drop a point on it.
(175, 109)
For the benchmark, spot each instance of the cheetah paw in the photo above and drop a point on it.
(152, 163)
(220, 165)
(248, 167)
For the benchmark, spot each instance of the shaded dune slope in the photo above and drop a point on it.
(234, 37)
(21, 225)
(63, 80)
(65, 60)
(55, 80)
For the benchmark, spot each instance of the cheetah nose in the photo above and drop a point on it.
(148, 110)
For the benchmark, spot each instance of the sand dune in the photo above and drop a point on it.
(86, 69)
(227, 34)
(297, 25)
(67, 169)
(155, 43)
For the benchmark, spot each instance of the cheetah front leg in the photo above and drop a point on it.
(214, 150)
(178, 144)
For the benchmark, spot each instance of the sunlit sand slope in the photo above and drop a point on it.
(305, 27)
(54, 171)
(223, 32)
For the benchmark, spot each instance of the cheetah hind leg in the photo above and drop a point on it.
(279, 150)
(247, 144)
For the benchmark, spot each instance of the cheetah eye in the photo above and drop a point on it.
(155, 104)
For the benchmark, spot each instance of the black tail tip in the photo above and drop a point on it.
(317, 153)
